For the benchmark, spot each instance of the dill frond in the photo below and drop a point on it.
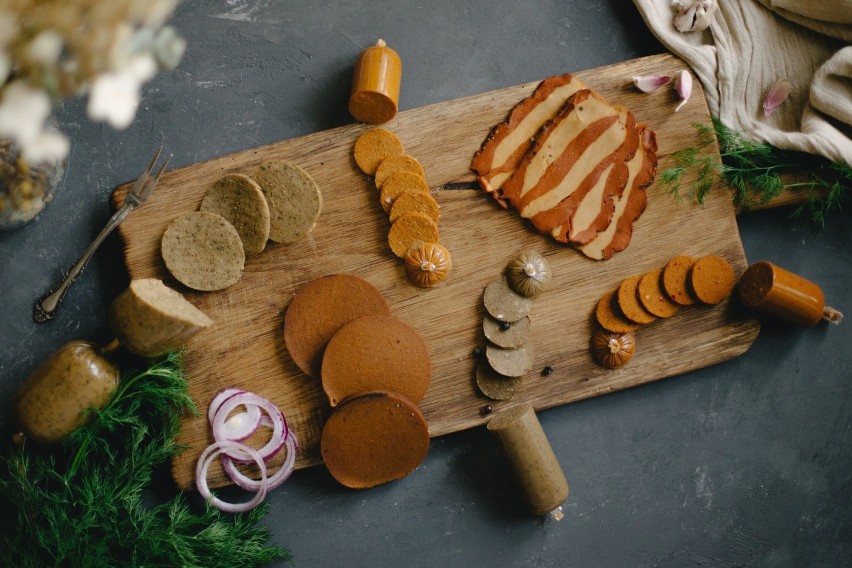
(753, 170)
(83, 505)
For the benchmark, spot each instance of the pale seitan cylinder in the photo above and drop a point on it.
(151, 319)
(531, 458)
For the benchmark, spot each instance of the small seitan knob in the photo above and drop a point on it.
(532, 459)
(375, 85)
(787, 296)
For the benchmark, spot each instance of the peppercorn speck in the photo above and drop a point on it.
(547, 371)
(485, 410)
(505, 326)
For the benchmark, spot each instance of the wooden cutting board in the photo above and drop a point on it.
(245, 347)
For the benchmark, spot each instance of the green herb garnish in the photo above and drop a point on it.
(756, 172)
(83, 505)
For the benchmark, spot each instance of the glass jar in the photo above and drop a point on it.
(25, 190)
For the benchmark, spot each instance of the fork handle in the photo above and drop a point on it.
(47, 305)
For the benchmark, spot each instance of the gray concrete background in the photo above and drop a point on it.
(743, 464)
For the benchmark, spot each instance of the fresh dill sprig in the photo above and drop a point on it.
(755, 171)
(82, 505)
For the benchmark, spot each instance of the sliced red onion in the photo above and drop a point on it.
(273, 480)
(209, 454)
(280, 430)
(239, 426)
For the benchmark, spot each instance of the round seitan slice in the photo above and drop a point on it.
(294, 198)
(509, 335)
(203, 251)
(712, 279)
(628, 300)
(609, 315)
(509, 362)
(319, 309)
(397, 163)
(373, 439)
(373, 146)
(409, 229)
(676, 280)
(376, 353)
(415, 201)
(503, 303)
(151, 319)
(241, 202)
(494, 385)
(653, 298)
(399, 183)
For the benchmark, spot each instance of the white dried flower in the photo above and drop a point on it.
(114, 98)
(169, 48)
(48, 147)
(23, 111)
(45, 48)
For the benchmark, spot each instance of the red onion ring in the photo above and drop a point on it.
(273, 480)
(280, 431)
(208, 455)
(239, 426)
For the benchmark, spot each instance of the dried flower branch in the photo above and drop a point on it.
(55, 49)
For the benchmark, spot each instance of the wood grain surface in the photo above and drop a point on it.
(245, 347)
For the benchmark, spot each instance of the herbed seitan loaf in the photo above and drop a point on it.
(508, 141)
(203, 251)
(241, 202)
(294, 198)
(151, 319)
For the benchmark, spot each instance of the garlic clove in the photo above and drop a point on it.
(704, 15)
(683, 86)
(776, 94)
(684, 19)
(694, 16)
(648, 83)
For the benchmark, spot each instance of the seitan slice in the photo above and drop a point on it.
(508, 141)
(631, 203)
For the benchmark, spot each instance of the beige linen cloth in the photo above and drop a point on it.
(753, 43)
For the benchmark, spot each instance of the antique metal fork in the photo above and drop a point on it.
(46, 307)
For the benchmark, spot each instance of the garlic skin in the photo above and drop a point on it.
(694, 15)
(649, 83)
(776, 94)
(683, 86)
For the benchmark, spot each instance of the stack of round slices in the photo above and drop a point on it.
(206, 249)
(374, 369)
(406, 198)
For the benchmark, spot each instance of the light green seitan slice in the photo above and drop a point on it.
(241, 202)
(294, 199)
(151, 319)
(203, 251)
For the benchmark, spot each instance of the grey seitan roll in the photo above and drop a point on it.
(531, 458)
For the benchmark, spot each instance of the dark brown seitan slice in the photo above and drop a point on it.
(507, 142)
(631, 204)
